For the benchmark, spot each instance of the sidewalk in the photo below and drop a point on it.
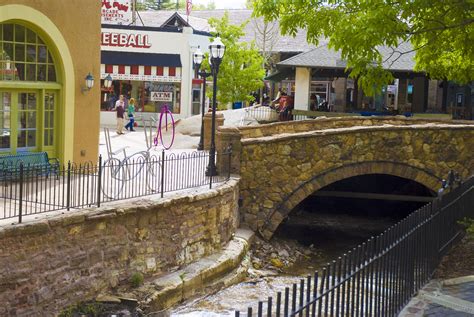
(451, 292)
(452, 297)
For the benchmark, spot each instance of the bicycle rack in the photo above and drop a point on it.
(108, 144)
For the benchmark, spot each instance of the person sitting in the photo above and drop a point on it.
(313, 102)
(285, 107)
(275, 102)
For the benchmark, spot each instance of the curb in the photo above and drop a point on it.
(183, 284)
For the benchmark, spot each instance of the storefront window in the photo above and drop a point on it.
(27, 112)
(149, 96)
(24, 56)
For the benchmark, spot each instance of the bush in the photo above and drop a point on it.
(469, 225)
(136, 279)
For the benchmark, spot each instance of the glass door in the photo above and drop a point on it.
(5, 121)
(19, 121)
(27, 121)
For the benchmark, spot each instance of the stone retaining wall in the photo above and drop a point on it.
(49, 264)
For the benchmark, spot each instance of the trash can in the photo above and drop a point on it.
(237, 105)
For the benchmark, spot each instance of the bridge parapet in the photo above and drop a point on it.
(279, 171)
(323, 123)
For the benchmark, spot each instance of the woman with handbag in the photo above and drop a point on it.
(131, 113)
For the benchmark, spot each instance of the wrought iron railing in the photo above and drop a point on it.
(379, 277)
(30, 189)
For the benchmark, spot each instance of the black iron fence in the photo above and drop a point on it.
(380, 276)
(30, 189)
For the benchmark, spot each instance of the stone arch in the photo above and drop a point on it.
(54, 39)
(422, 176)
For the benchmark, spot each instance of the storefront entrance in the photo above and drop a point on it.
(29, 91)
(27, 121)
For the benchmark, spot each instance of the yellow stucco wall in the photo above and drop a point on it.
(74, 28)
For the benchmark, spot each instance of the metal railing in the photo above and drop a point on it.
(29, 189)
(267, 114)
(380, 276)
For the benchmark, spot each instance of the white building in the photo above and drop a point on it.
(153, 65)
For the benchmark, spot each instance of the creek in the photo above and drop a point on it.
(318, 231)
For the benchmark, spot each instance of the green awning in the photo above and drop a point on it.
(280, 75)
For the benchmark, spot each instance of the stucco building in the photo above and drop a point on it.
(47, 48)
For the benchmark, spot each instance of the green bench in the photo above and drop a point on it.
(34, 163)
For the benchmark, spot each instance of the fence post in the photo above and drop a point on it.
(68, 187)
(229, 153)
(210, 176)
(21, 194)
(99, 184)
(162, 172)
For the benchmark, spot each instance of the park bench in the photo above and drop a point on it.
(34, 163)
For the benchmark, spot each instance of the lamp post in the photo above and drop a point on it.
(216, 52)
(198, 58)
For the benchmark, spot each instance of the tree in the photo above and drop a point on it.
(155, 5)
(241, 70)
(209, 6)
(266, 37)
(441, 33)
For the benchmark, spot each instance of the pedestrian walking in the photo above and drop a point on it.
(131, 114)
(120, 109)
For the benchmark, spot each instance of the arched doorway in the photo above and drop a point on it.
(29, 90)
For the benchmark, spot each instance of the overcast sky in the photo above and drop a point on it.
(224, 4)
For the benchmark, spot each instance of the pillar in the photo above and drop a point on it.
(402, 94)
(302, 87)
(340, 91)
(433, 95)
(208, 127)
(420, 94)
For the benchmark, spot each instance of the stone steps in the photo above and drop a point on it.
(203, 276)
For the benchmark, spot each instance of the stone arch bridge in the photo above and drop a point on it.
(280, 164)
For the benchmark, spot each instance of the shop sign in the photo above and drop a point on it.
(116, 11)
(161, 96)
(392, 89)
(125, 40)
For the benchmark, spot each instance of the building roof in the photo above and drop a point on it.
(324, 57)
(198, 20)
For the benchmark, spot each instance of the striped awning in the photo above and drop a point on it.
(141, 66)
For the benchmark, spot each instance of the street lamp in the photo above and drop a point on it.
(216, 52)
(108, 81)
(198, 58)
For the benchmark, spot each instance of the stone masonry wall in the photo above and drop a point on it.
(277, 172)
(49, 264)
(330, 123)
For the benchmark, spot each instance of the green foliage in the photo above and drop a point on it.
(182, 276)
(441, 33)
(161, 5)
(209, 6)
(88, 309)
(136, 279)
(241, 70)
(469, 225)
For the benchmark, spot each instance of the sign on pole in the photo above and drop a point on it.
(116, 11)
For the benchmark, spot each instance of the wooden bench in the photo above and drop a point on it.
(34, 163)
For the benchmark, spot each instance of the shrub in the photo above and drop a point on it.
(136, 279)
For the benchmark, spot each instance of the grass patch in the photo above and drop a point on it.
(445, 116)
